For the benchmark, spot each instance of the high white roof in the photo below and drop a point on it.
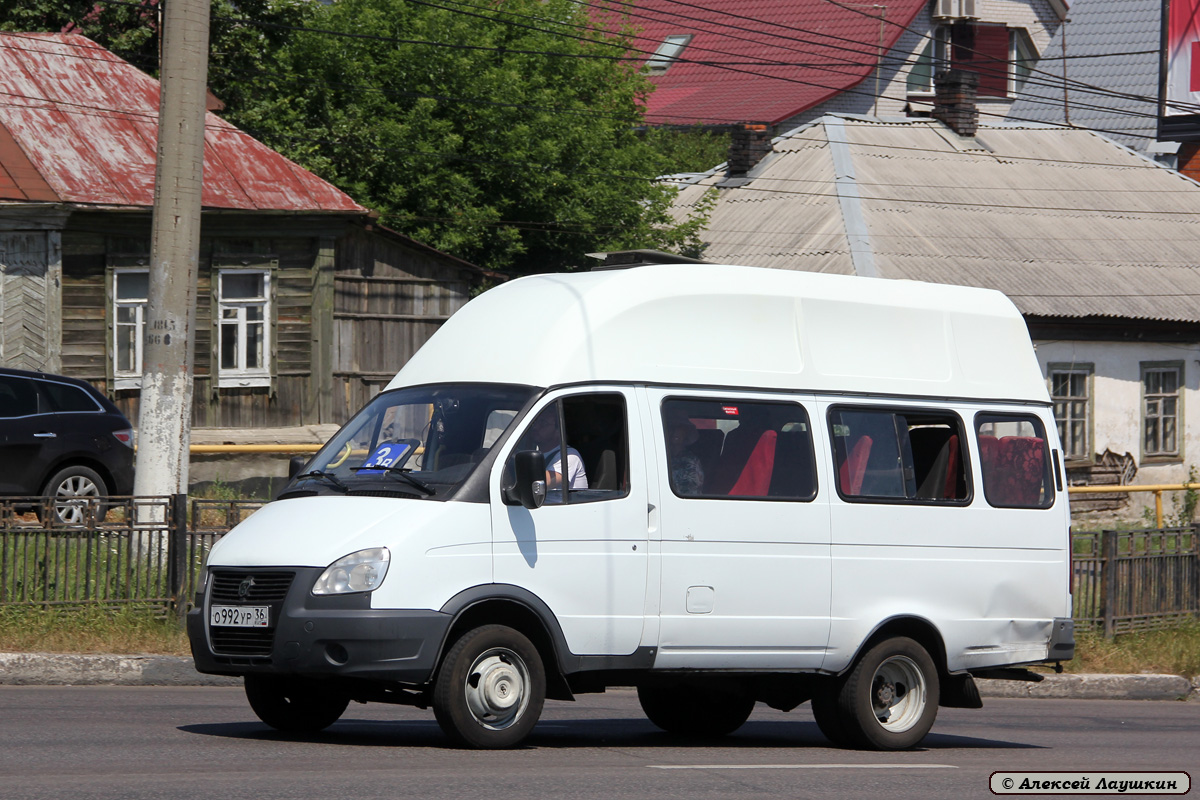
(737, 327)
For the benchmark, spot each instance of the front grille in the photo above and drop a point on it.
(264, 587)
(242, 641)
(247, 588)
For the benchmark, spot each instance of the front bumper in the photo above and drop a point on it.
(334, 636)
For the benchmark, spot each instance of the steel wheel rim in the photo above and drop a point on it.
(497, 688)
(72, 496)
(898, 694)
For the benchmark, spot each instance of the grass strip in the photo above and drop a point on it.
(90, 629)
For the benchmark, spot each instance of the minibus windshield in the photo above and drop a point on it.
(422, 441)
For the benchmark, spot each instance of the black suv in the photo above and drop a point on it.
(62, 439)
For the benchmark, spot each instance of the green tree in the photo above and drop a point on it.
(486, 129)
(690, 150)
(240, 52)
(510, 145)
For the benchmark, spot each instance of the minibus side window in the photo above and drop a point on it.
(1014, 458)
(596, 446)
(899, 455)
(739, 449)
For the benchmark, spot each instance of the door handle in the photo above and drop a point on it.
(46, 435)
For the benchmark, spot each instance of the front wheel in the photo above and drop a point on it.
(889, 700)
(294, 704)
(490, 688)
(694, 711)
(69, 493)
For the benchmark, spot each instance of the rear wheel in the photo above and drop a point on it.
(71, 495)
(695, 711)
(828, 716)
(889, 699)
(294, 704)
(490, 688)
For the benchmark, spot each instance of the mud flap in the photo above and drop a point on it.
(960, 691)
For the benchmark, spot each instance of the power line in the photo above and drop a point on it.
(717, 65)
(773, 191)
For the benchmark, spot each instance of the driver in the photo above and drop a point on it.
(543, 435)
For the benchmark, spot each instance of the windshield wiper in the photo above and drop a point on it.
(328, 476)
(402, 472)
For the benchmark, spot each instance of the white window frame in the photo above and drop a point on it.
(123, 378)
(243, 376)
(1017, 37)
(935, 54)
(668, 52)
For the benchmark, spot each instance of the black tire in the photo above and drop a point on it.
(889, 700)
(490, 688)
(71, 496)
(828, 716)
(293, 704)
(695, 712)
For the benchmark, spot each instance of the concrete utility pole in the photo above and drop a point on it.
(164, 416)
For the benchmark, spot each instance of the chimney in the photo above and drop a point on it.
(954, 100)
(749, 145)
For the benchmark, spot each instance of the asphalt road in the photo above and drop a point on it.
(196, 742)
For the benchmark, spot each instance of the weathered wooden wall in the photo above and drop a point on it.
(350, 306)
(90, 254)
(389, 298)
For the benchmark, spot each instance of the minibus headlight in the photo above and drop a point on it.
(363, 571)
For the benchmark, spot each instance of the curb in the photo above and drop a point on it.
(52, 669)
(1097, 687)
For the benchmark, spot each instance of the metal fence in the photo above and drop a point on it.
(149, 551)
(124, 551)
(1137, 579)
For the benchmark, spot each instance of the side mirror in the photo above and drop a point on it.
(295, 464)
(529, 489)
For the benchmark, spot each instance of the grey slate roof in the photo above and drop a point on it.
(1065, 222)
(1112, 45)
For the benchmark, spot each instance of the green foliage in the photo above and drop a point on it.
(1184, 505)
(238, 51)
(89, 629)
(694, 150)
(217, 489)
(1173, 651)
(512, 146)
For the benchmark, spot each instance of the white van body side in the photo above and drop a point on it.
(990, 580)
(733, 483)
(742, 584)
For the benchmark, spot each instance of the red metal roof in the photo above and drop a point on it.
(79, 125)
(763, 60)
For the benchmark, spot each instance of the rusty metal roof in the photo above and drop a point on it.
(79, 125)
(1065, 222)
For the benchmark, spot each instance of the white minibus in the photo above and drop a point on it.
(720, 485)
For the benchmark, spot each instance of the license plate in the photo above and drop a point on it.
(240, 616)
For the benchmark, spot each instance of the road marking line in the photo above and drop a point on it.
(802, 766)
